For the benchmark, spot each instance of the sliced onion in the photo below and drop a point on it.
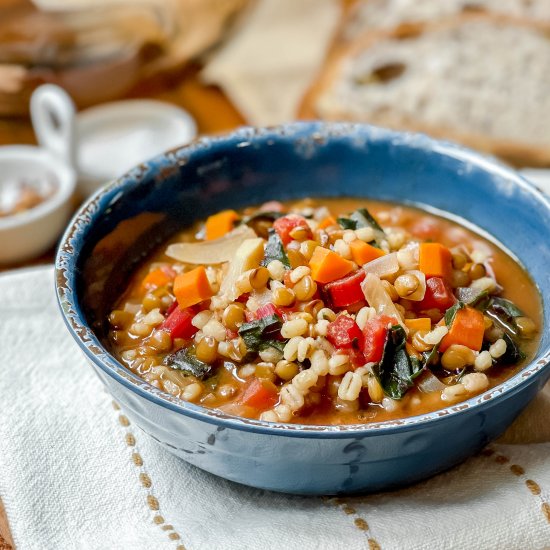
(379, 299)
(419, 293)
(247, 256)
(429, 383)
(384, 266)
(216, 251)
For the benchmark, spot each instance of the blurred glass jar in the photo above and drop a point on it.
(97, 51)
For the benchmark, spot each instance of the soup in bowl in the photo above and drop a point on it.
(364, 339)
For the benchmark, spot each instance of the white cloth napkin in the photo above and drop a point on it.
(267, 66)
(74, 474)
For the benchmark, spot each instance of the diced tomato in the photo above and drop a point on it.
(172, 307)
(261, 394)
(354, 308)
(286, 224)
(426, 228)
(356, 357)
(231, 334)
(347, 290)
(178, 323)
(438, 295)
(343, 332)
(374, 337)
(268, 309)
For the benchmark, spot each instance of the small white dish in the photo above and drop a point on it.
(105, 141)
(31, 232)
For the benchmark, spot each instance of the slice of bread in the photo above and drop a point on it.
(385, 14)
(480, 80)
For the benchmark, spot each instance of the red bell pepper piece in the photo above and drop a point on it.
(375, 333)
(172, 307)
(264, 311)
(286, 224)
(261, 394)
(347, 290)
(178, 323)
(356, 357)
(343, 332)
(268, 309)
(438, 295)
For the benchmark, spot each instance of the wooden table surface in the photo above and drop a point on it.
(213, 113)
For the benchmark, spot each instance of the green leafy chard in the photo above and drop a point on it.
(420, 365)
(450, 314)
(364, 218)
(360, 218)
(186, 361)
(504, 313)
(505, 308)
(473, 298)
(347, 223)
(274, 250)
(513, 353)
(262, 333)
(396, 371)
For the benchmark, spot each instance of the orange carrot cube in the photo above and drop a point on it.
(220, 224)
(435, 260)
(422, 323)
(327, 222)
(467, 330)
(364, 253)
(192, 287)
(327, 266)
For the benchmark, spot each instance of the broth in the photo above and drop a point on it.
(228, 383)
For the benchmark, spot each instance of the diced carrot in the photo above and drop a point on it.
(467, 330)
(260, 393)
(327, 266)
(327, 222)
(192, 287)
(363, 253)
(156, 278)
(421, 323)
(435, 260)
(219, 224)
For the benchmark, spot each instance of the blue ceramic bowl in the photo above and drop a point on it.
(121, 223)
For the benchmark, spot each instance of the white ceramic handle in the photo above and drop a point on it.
(53, 120)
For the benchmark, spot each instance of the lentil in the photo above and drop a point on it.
(406, 284)
(526, 326)
(305, 289)
(456, 357)
(233, 316)
(286, 370)
(207, 350)
(283, 296)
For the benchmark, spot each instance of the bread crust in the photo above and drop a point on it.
(514, 151)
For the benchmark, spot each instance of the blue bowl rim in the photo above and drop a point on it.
(93, 349)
